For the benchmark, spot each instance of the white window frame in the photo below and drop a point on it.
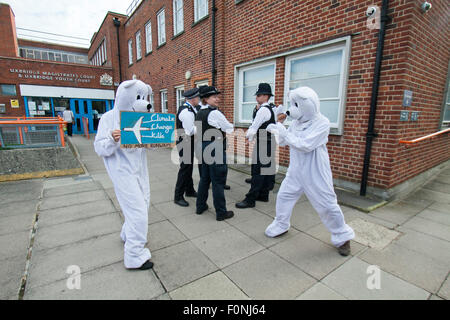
(130, 52)
(164, 106)
(337, 127)
(197, 7)
(175, 17)
(179, 95)
(148, 37)
(161, 27)
(240, 93)
(446, 103)
(138, 46)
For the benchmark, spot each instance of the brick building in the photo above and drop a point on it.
(329, 45)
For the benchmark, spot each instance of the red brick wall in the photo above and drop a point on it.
(8, 37)
(8, 77)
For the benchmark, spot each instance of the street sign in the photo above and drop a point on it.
(143, 129)
(407, 98)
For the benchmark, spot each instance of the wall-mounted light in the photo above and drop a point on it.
(426, 6)
(187, 75)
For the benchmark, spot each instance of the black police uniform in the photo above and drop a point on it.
(185, 145)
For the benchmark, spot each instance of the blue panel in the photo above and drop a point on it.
(150, 128)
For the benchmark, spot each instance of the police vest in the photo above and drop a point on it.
(202, 116)
(179, 123)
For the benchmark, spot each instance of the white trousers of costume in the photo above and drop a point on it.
(323, 201)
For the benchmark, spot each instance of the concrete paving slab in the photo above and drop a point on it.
(425, 245)
(371, 234)
(304, 216)
(241, 216)
(432, 196)
(163, 234)
(71, 189)
(75, 231)
(181, 264)
(351, 279)
(154, 215)
(436, 216)
(310, 255)
(56, 216)
(73, 199)
(420, 270)
(49, 266)
(61, 182)
(112, 282)
(321, 233)
(16, 208)
(227, 246)
(398, 212)
(20, 186)
(215, 286)
(443, 178)
(171, 210)
(434, 297)
(15, 244)
(444, 292)
(441, 207)
(194, 226)
(353, 214)
(429, 227)
(20, 196)
(11, 273)
(438, 186)
(265, 276)
(163, 297)
(16, 223)
(320, 292)
(256, 226)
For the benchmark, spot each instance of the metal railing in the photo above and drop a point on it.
(25, 132)
(430, 136)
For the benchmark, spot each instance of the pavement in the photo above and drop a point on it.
(59, 239)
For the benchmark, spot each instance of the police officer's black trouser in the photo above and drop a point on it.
(185, 184)
(215, 173)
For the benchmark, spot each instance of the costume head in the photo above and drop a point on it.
(132, 95)
(305, 104)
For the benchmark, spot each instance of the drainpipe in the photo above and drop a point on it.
(117, 25)
(371, 134)
(213, 46)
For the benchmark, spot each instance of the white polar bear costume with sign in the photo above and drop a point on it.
(309, 169)
(128, 171)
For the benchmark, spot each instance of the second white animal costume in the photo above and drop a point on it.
(309, 169)
(128, 171)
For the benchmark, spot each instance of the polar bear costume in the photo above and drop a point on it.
(309, 169)
(128, 171)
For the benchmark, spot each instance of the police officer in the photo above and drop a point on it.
(263, 170)
(214, 127)
(185, 144)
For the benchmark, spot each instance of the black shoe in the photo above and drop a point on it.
(202, 210)
(263, 199)
(245, 204)
(227, 187)
(182, 203)
(345, 249)
(249, 180)
(192, 194)
(146, 266)
(225, 216)
(272, 187)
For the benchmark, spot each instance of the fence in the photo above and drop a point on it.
(31, 132)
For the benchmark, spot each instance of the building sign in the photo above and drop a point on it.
(407, 98)
(147, 129)
(52, 76)
(15, 104)
(106, 80)
(404, 115)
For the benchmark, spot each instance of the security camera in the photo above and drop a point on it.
(371, 11)
(426, 6)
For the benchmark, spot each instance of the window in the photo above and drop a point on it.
(164, 101)
(148, 37)
(249, 79)
(200, 83)
(8, 90)
(446, 107)
(130, 51)
(180, 98)
(138, 46)
(152, 100)
(161, 28)
(322, 70)
(178, 24)
(200, 9)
